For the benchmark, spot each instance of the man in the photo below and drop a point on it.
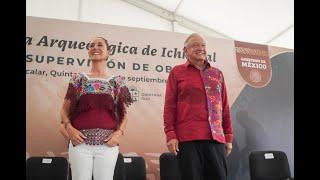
(196, 115)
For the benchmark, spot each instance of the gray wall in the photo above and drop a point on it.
(263, 118)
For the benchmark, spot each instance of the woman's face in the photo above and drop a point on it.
(98, 50)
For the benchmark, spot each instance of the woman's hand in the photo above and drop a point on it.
(114, 138)
(75, 135)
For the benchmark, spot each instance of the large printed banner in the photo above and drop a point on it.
(58, 48)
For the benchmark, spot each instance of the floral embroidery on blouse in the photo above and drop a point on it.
(112, 93)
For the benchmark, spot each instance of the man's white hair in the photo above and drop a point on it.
(186, 42)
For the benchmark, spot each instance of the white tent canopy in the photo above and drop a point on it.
(257, 21)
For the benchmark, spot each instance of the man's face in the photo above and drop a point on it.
(196, 49)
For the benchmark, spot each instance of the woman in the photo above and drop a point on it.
(94, 116)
